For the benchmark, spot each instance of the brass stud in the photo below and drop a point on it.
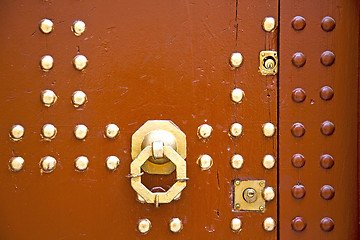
(17, 132)
(237, 161)
(235, 224)
(237, 95)
(46, 26)
(269, 224)
(48, 131)
(81, 163)
(236, 60)
(268, 129)
(112, 163)
(205, 162)
(268, 193)
(81, 131)
(78, 98)
(236, 129)
(204, 131)
(237, 182)
(48, 97)
(111, 131)
(47, 62)
(237, 206)
(268, 24)
(80, 62)
(144, 226)
(16, 163)
(48, 164)
(78, 27)
(268, 162)
(175, 225)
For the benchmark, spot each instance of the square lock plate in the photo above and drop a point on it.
(248, 195)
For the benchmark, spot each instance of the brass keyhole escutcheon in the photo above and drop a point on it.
(268, 62)
(250, 195)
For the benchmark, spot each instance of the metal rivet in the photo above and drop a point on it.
(48, 164)
(298, 130)
(175, 225)
(298, 95)
(327, 224)
(298, 191)
(46, 62)
(268, 162)
(327, 128)
(205, 162)
(268, 24)
(78, 98)
(268, 193)
(204, 131)
(111, 131)
(78, 27)
(268, 129)
(328, 24)
(326, 161)
(237, 95)
(298, 224)
(46, 25)
(327, 58)
(144, 226)
(298, 23)
(298, 59)
(80, 131)
(81, 163)
(298, 160)
(236, 60)
(16, 163)
(48, 131)
(237, 161)
(269, 224)
(327, 192)
(112, 162)
(80, 62)
(235, 224)
(17, 132)
(326, 93)
(236, 129)
(48, 97)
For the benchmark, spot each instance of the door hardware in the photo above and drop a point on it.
(268, 62)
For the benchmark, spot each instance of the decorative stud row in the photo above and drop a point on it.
(326, 93)
(326, 161)
(298, 23)
(299, 224)
(327, 192)
(47, 26)
(48, 98)
(80, 62)
(175, 225)
(269, 224)
(327, 128)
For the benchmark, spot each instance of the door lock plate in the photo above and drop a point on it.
(248, 195)
(268, 63)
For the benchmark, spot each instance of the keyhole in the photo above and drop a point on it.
(269, 63)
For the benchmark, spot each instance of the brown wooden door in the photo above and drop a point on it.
(170, 60)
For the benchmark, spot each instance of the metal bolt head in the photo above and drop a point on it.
(236, 129)
(78, 98)
(48, 164)
(16, 163)
(78, 27)
(112, 163)
(268, 162)
(269, 224)
(17, 132)
(268, 129)
(205, 162)
(111, 131)
(237, 161)
(144, 226)
(235, 224)
(80, 131)
(236, 60)
(47, 62)
(80, 62)
(46, 26)
(81, 163)
(48, 97)
(48, 131)
(268, 194)
(237, 95)
(175, 225)
(268, 24)
(204, 131)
